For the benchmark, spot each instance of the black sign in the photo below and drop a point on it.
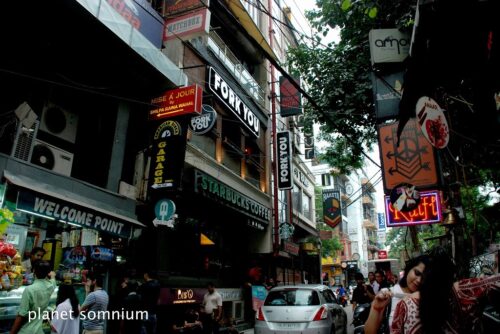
(227, 95)
(332, 211)
(167, 154)
(290, 98)
(284, 148)
(387, 90)
(57, 209)
(204, 122)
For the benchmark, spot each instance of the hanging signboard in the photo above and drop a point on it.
(284, 164)
(411, 162)
(177, 102)
(428, 211)
(233, 102)
(177, 6)
(332, 211)
(387, 90)
(290, 98)
(388, 46)
(204, 122)
(381, 221)
(433, 122)
(188, 26)
(168, 152)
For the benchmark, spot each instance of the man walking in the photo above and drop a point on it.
(212, 310)
(150, 291)
(363, 293)
(94, 306)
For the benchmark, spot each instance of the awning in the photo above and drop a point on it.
(247, 22)
(60, 204)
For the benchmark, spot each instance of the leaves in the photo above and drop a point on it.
(346, 4)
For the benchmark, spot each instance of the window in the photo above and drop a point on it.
(205, 143)
(231, 140)
(276, 12)
(253, 9)
(306, 205)
(253, 160)
(292, 297)
(297, 198)
(326, 180)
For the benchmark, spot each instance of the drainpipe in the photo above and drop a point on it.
(274, 139)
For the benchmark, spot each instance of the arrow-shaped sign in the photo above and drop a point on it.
(169, 223)
(387, 139)
(389, 155)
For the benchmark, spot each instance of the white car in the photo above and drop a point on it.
(302, 309)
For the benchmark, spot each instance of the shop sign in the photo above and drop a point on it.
(351, 264)
(412, 161)
(188, 26)
(142, 17)
(388, 46)
(212, 188)
(177, 102)
(56, 209)
(301, 177)
(286, 230)
(230, 294)
(284, 148)
(381, 221)
(233, 102)
(428, 211)
(164, 213)
(170, 296)
(290, 98)
(204, 122)
(332, 211)
(387, 90)
(291, 247)
(176, 6)
(433, 122)
(169, 149)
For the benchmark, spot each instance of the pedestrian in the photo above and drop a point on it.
(150, 292)
(66, 317)
(380, 280)
(442, 305)
(363, 293)
(211, 310)
(189, 323)
(35, 300)
(36, 254)
(95, 306)
(270, 283)
(132, 305)
(371, 280)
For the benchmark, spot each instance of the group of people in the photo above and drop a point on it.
(69, 317)
(428, 299)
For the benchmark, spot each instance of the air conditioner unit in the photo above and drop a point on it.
(59, 122)
(51, 157)
(23, 142)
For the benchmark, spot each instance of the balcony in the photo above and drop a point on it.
(221, 51)
(368, 224)
(367, 185)
(368, 201)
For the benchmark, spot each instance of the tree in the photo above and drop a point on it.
(339, 75)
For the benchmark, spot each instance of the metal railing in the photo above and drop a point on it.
(220, 49)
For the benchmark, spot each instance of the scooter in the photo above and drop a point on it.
(343, 300)
(359, 317)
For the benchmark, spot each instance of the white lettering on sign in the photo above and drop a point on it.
(284, 160)
(79, 217)
(233, 102)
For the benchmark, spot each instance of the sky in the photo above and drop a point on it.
(298, 8)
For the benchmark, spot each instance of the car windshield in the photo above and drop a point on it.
(292, 297)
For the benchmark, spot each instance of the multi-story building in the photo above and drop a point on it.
(79, 156)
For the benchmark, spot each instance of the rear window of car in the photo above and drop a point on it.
(292, 297)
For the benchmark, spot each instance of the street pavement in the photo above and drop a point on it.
(348, 311)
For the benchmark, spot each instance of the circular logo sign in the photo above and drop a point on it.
(433, 122)
(164, 210)
(204, 122)
(405, 197)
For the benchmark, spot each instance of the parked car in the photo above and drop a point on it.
(305, 309)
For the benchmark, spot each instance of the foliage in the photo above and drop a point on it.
(6, 218)
(330, 246)
(338, 75)
(399, 242)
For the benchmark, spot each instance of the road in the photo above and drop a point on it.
(350, 327)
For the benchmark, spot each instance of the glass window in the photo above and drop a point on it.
(253, 9)
(205, 142)
(326, 180)
(306, 205)
(297, 198)
(231, 140)
(276, 12)
(292, 297)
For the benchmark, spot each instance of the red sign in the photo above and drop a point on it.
(382, 254)
(290, 98)
(290, 247)
(176, 102)
(428, 211)
(176, 6)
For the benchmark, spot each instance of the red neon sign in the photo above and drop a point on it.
(176, 102)
(428, 211)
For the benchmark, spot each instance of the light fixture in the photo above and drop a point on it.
(36, 214)
(450, 217)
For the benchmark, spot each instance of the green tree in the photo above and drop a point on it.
(339, 75)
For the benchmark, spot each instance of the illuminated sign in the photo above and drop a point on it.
(427, 212)
(176, 102)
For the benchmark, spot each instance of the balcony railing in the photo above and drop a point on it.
(217, 45)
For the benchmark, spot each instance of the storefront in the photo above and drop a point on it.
(83, 229)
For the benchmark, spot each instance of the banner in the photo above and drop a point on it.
(332, 211)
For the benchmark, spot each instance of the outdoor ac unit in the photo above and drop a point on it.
(51, 157)
(23, 142)
(59, 122)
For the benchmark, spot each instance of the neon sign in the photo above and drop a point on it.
(427, 212)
